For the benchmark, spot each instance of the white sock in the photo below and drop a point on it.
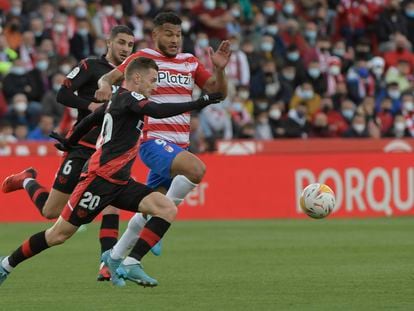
(129, 238)
(26, 181)
(131, 261)
(180, 187)
(6, 265)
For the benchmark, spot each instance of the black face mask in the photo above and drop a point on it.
(326, 108)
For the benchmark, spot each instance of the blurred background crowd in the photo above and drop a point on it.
(299, 68)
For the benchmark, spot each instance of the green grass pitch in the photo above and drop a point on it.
(240, 265)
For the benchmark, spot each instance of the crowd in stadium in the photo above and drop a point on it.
(304, 68)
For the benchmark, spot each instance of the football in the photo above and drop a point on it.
(317, 200)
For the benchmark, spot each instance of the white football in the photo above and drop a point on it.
(317, 200)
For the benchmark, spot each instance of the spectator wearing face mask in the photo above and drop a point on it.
(399, 128)
(407, 110)
(267, 48)
(16, 81)
(216, 124)
(38, 29)
(276, 119)
(348, 109)
(104, 20)
(293, 57)
(50, 106)
(334, 75)
(394, 93)
(400, 74)
(360, 82)
(377, 67)
(237, 69)
(60, 36)
(305, 95)
(311, 33)
(234, 26)
(39, 78)
(240, 115)
(201, 47)
(358, 128)
(263, 130)
(187, 34)
(296, 124)
(212, 19)
(82, 43)
(316, 77)
(272, 29)
(18, 110)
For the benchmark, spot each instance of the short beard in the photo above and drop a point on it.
(163, 49)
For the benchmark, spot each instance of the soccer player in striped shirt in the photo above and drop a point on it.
(173, 170)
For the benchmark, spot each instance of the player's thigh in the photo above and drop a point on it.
(110, 210)
(189, 165)
(68, 174)
(60, 232)
(55, 203)
(158, 155)
(90, 197)
(131, 196)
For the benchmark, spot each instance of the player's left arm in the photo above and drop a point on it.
(220, 58)
(160, 111)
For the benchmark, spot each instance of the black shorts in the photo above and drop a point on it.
(68, 174)
(93, 194)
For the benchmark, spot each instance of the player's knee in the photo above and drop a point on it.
(49, 213)
(196, 172)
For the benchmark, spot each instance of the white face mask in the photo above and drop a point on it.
(237, 107)
(203, 43)
(409, 106)
(314, 72)
(399, 126)
(99, 51)
(378, 70)
(359, 128)
(65, 69)
(59, 28)
(244, 95)
(267, 46)
(42, 65)
(20, 106)
(108, 10)
(18, 70)
(81, 12)
(271, 89)
(210, 4)
(118, 14)
(275, 114)
(185, 26)
(334, 70)
(394, 94)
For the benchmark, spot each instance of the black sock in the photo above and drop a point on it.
(38, 194)
(108, 234)
(153, 231)
(31, 247)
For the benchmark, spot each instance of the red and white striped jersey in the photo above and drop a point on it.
(176, 79)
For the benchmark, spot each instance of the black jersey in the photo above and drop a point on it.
(122, 122)
(83, 79)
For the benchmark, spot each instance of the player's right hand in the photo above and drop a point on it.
(63, 144)
(103, 94)
(208, 99)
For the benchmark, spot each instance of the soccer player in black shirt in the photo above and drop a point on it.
(107, 179)
(83, 80)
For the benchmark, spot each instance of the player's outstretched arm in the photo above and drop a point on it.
(166, 110)
(104, 91)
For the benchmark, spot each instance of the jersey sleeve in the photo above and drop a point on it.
(79, 75)
(127, 60)
(136, 102)
(201, 75)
